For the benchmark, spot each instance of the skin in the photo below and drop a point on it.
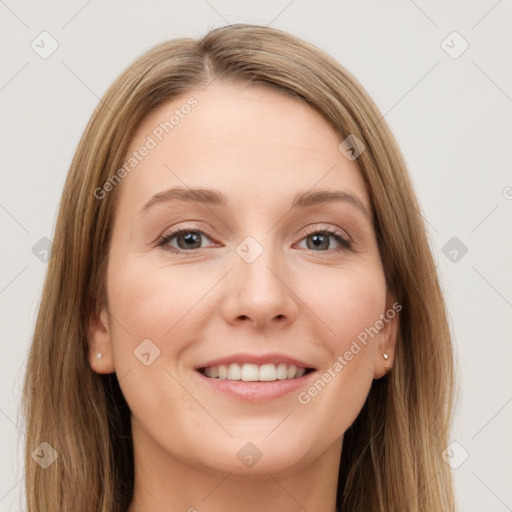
(259, 148)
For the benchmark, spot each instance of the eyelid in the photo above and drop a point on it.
(345, 241)
(331, 231)
(316, 228)
(172, 232)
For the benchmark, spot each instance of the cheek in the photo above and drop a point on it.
(348, 302)
(349, 306)
(151, 310)
(150, 302)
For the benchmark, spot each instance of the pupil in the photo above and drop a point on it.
(190, 238)
(318, 240)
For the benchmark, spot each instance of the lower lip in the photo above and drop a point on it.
(256, 391)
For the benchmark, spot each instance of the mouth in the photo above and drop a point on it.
(250, 372)
(254, 377)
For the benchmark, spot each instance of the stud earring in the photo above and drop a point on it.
(99, 355)
(386, 357)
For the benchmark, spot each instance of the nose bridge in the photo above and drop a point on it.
(258, 285)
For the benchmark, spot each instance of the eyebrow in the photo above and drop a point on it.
(215, 198)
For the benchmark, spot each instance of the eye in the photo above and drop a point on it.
(319, 239)
(187, 240)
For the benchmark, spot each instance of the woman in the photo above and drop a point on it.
(241, 311)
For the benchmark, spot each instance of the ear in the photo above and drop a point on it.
(99, 339)
(387, 338)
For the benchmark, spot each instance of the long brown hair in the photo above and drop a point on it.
(391, 458)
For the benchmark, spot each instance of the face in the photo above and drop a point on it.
(244, 281)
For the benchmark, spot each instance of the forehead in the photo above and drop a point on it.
(257, 145)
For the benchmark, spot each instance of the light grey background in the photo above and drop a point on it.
(451, 117)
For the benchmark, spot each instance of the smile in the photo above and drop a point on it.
(250, 372)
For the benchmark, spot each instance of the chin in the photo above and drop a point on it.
(255, 459)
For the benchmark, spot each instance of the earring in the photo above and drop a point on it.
(99, 355)
(386, 357)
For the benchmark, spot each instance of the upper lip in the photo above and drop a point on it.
(258, 359)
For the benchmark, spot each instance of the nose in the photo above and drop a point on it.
(260, 293)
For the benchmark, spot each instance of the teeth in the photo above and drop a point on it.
(267, 372)
(252, 372)
(282, 371)
(233, 372)
(249, 372)
(300, 372)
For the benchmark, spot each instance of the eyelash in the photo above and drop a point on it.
(340, 236)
